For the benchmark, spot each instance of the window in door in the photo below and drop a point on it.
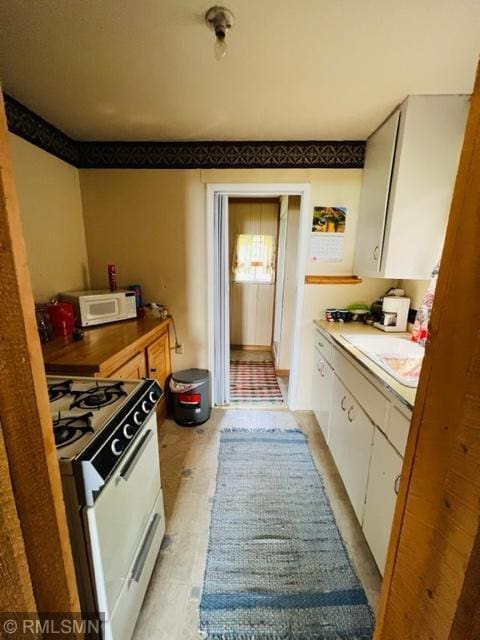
(254, 258)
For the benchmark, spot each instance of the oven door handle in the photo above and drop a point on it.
(143, 553)
(129, 466)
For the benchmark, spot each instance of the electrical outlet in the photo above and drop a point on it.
(179, 349)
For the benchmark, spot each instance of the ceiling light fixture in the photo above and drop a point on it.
(220, 20)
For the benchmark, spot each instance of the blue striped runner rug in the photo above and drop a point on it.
(277, 568)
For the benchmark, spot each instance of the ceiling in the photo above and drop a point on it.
(296, 70)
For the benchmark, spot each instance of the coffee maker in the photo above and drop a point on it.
(393, 315)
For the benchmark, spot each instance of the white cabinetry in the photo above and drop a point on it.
(410, 168)
(322, 392)
(377, 174)
(351, 437)
(383, 481)
(366, 429)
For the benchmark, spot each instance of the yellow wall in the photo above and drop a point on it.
(152, 224)
(415, 290)
(51, 211)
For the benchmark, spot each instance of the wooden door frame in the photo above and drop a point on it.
(26, 422)
(431, 586)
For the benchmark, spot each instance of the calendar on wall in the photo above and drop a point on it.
(328, 233)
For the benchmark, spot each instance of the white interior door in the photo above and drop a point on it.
(221, 293)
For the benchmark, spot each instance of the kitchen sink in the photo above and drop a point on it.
(399, 357)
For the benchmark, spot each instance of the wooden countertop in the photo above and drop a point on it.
(103, 349)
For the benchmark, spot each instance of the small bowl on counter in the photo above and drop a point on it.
(338, 315)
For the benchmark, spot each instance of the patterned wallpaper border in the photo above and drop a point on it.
(30, 126)
(315, 154)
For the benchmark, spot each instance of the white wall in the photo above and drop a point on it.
(51, 212)
(251, 305)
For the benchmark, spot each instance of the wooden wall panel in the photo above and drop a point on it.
(431, 587)
(251, 305)
(16, 592)
(25, 414)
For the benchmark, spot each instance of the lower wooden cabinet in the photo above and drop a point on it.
(133, 369)
(158, 359)
(152, 362)
(382, 489)
(159, 367)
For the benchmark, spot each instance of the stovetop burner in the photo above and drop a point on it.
(69, 429)
(98, 396)
(59, 390)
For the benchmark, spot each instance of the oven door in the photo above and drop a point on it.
(100, 309)
(118, 521)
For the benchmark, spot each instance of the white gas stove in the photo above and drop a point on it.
(106, 438)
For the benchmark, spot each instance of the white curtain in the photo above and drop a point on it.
(221, 380)
(253, 258)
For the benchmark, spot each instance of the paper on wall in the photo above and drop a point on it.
(326, 247)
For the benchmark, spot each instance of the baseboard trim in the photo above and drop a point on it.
(251, 347)
(282, 373)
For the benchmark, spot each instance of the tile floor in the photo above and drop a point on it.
(188, 468)
(259, 356)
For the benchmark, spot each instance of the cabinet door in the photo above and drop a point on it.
(134, 369)
(350, 442)
(358, 435)
(322, 393)
(377, 173)
(338, 423)
(158, 357)
(382, 491)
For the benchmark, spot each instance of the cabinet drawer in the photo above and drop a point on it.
(372, 401)
(398, 428)
(323, 345)
(133, 369)
(383, 482)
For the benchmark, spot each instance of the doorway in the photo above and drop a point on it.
(253, 232)
(256, 278)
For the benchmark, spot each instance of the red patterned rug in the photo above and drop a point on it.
(254, 382)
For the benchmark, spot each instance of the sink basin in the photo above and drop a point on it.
(399, 357)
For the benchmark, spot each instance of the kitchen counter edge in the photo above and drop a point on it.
(406, 395)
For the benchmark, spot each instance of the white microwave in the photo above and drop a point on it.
(98, 307)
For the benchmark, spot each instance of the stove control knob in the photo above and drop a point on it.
(137, 418)
(115, 447)
(128, 432)
(146, 406)
(153, 396)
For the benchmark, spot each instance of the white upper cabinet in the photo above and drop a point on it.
(377, 174)
(410, 168)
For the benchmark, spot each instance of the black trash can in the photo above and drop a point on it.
(190, 396)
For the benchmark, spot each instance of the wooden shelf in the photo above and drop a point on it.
(332, 279)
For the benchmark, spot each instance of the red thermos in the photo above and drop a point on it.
(61, 317)
(112, 277)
